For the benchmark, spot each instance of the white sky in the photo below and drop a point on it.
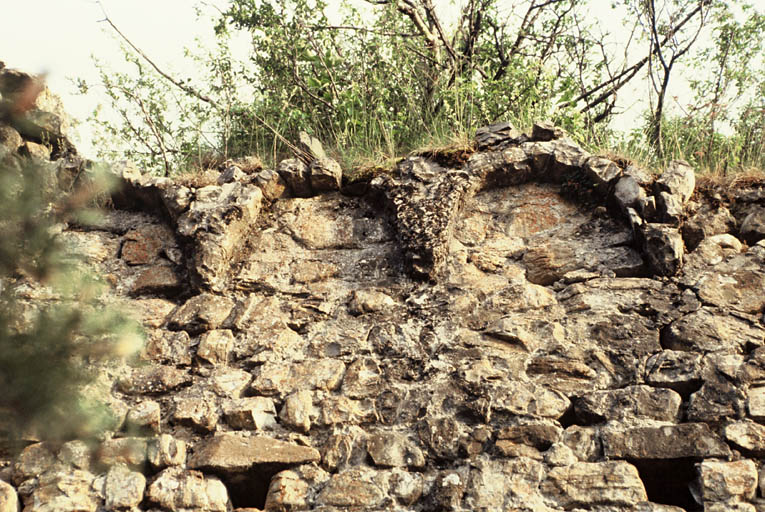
(58, 37)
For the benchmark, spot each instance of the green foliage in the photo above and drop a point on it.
(376, 80)
(52, 324)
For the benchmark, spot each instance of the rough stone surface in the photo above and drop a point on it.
(235, 453)
(727, 481)
(179, 490)
(326, 175)
(524, 328)
(678, 179)
(594, 483)
(667, 442)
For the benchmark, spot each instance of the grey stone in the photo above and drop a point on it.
(153, 379)
(663, 249)
(391, 449)
(9, 500)
(326, 175)
(10, 139)
(545, 131)
(747, 435)
(709, 330)
(602, 172)
(628, 193)
(130, 451)
(727, 481)
(678, 179)
(311, 146)
(298, 410)
(235, 453)
(630, 403)
(179, 490)
(164, 451)
(144, 416)
(215, 347)
(297, 176)
(669, 208)
(203, 312)
(497, 136)
(250, 413)
(199, 413)
(680, 371)
(123, 488)
(271, 183)
(753, 228)
(665, 442)
(594, 483)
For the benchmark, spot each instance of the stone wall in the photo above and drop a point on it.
(535, 329)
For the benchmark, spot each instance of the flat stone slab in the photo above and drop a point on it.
(687, 440)
(237, 454)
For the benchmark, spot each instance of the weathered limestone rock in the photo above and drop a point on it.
(678, 179)
(159, 279)
(215, 346)
(669, 208)
(630, 403)
(251, 413)
(144, 416)
(203, 312)
(10, 139)
(537, 434)
(727, 481)
(709, 330)
(165, 451)
(753, 227)
(326, 175)
(497, 136)
(298, 410)
(291, 489)
(200, 413)
(680, 371)
(391, 449)
(496, 484)
(628, 194)
(352, 488)
(271, 184)
(179, 490)
(146, 244)
(9, 500)
(64, 491)
(663, 248)
(130, 451)
(667, 442)
(708, 221)
(282, 379)
(297, 175)
(736, 283)
(601, 172)
(169, 348)
(747, 436)
(425, 198)
(230, 383)
(123, 488)
(235, 453)
(546, 130)
(370, 301)
(756, 403)
(218, 220)
(147, 380)
(594, 483)
(34, 460)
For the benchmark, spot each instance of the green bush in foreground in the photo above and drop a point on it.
(52, 324)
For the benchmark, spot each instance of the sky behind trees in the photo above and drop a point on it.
(58, 37)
